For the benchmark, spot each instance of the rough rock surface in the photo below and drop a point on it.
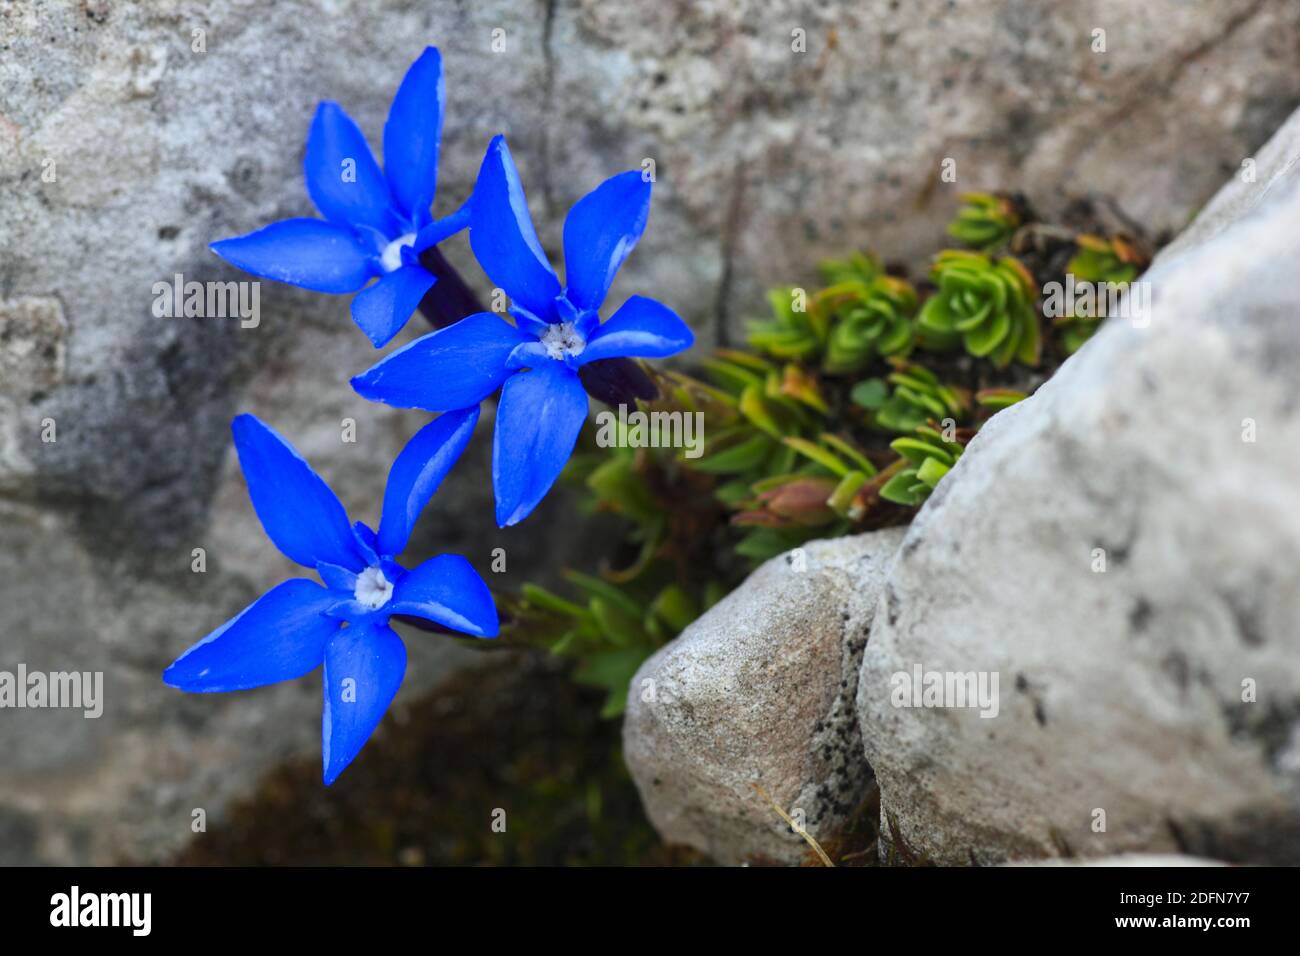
(760, 691)
(1163, 690)
(131, 135)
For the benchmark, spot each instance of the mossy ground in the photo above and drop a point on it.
(517, 734)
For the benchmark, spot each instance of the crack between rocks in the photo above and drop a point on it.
(1180, 66)
(730, 236)
(1141, 90)
(548, 101)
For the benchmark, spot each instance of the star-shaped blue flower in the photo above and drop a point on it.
(376, 223)
(298, 625)
(534, 362)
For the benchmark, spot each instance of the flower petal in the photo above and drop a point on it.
(642, 328)
(455, 367)
(538, 419)
(418, 470)
(364, 666)
(502, 236)
(309, 253)
(600, 231)
(383, 308)
(411, 136)
(280, 636)
(448, 591)
(300, 513)
(343, 178)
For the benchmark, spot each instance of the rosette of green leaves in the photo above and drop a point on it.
(926, 457)
(916, 397)
(987, 306)
(985, 221)
(859, 267)
(794, 332)
(1097, 260)
(867, 320)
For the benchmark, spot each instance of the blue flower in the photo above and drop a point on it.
(557, 331)
(376, 224)
(298, 625)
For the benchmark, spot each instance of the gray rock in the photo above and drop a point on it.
(1164, 690)
(124, 151)
(759, 692)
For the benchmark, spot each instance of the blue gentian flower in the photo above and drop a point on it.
(557, 331)
(298, 625)
(376, 224)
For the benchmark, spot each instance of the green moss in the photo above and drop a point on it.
(517, 734)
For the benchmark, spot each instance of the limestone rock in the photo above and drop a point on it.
(759, 691)
(1121, 549)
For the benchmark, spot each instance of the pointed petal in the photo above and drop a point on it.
(364, 666)
(641, 328)
(502, 236)
(455, 367)
(343, 178)
(309, 253)
(411, 136)
(336, 578)
(280, 636)
(383, 308)
(448, 591)
(366, 541)
(538, 419)
(300, 513)
(418, 470)
(600, 231)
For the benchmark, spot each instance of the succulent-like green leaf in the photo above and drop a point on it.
(985, 221)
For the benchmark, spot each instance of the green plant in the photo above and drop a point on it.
(828, 423)
(986, 221)
(610, 632)
(861, 314)
(793, 331)
(928, 456)
(868, 314)
(988, 306)
(916, 397)
(1097, 260)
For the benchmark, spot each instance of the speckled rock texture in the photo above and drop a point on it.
(760, 691)
(1121, 549)
(132, 135)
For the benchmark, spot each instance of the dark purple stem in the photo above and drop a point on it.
(450, 299)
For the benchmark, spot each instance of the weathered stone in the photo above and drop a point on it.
(758, 693)
(1121, 549)
(132, 135)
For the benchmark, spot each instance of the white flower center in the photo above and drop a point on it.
(391, 257)
(373, 589)
(561, 339)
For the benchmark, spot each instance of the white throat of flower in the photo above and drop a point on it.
(373, 589)
(391, 257)
(561, 339)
